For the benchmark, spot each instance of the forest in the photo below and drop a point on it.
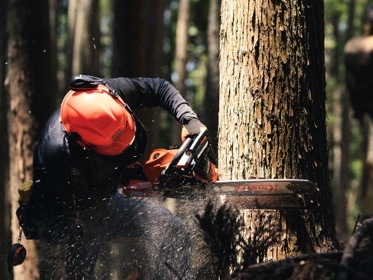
(282, 86)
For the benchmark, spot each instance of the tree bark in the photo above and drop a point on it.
(272, 118)
(31, 87)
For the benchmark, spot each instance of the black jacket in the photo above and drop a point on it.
(67, 177)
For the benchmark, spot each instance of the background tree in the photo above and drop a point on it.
(358, 61)
(181, 58)
(272, 120)
(83, 43)
(128, 38)
(154, 34)
(4, 156)
(339, 125)
(31, 84)
(343, 20)
(211, 101)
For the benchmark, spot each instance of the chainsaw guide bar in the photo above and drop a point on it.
(254, 193)
(264, 187)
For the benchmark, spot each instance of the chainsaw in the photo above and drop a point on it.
(177, 178)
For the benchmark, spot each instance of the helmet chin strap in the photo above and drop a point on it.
(76, 138)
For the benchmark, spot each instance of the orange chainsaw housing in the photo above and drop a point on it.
(158, 160)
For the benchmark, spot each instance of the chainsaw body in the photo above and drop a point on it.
(177, 178)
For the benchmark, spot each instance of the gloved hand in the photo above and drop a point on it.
(192, 127)
(206, 170)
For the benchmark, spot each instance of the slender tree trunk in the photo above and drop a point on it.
(211, 101)
(54, 14)
(359, 88)
(154, 31)
(83, 44)
(272, 120)
(4, 156)
(154, 37)
(340, 136)
(181, 57)
(129, 38)
(31, 87)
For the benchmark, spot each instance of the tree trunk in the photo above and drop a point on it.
(55, 10)
(153, 68)
(83, 44)
(4, 156)
(367, 184)
(340, 134)
(128, 38)
(272, 119)
(31, 84)
(181, 58)
(181, 52)
(210, 116)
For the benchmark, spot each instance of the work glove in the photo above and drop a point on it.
(206, 170)
(192, 127)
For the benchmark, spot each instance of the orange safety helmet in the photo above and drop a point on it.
(101, 120)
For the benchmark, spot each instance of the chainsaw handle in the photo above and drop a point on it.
(194, 146)
(180, 152)
(170, 169)
(197, 148)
